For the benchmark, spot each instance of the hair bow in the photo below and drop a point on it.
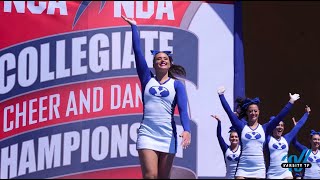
(313, 132)
(247, 102)
(154, 52)
(232, 129)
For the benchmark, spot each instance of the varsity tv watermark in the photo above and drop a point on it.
(297, 164)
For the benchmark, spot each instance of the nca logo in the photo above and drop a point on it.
(137, 9)
(159, 91)
(60, 7)
(132, 9)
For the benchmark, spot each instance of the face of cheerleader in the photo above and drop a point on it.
(315, 141)
(253, 113)
(234, 138)
(278, 131)
(161, 62)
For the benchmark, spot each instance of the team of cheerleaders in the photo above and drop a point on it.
(244, 157)
(252, 142)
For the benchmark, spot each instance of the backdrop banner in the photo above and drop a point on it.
(70, 97)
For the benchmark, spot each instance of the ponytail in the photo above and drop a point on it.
(176, 70)
(240, 102)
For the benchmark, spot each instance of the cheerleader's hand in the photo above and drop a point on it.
(186, 139)
(221, 90)
(216, 117)
(308, 110)
(293, 97)
(130, 21)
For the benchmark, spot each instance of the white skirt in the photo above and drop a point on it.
(278, 173)
(251, 167)
(158, 135)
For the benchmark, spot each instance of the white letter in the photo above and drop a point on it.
(96, 55)
(71, 143)
(162, 9)
(139, 11)
(164, 39)
(49, 152)
(23, 114)
(45, 74)
(85, 145)
(10, 81)
(28, 66)
(100, 143)
(5, 119)
(84, 101)
(53, 106)
(116, 50)
(36, 9)
(78, 55)
(72, 106)
(119, 142)
(61, 60)
(149, 37)
(97, 92)
(128, 54)
(133, 136)
(115, 96)
(27, 158)
(127, 98)
(9, 161)
(138, 97)
(61, 5)
(42, 108)
(19, 5)
(31, 111)
(128, 7)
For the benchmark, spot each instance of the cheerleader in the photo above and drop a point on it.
(162, 92)
(231, 153)
(314, 156)
(278, 147)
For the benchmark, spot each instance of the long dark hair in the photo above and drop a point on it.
(174, 69)
(239, 102)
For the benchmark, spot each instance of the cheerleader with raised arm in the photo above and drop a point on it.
(231, 152)
(278, 147)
